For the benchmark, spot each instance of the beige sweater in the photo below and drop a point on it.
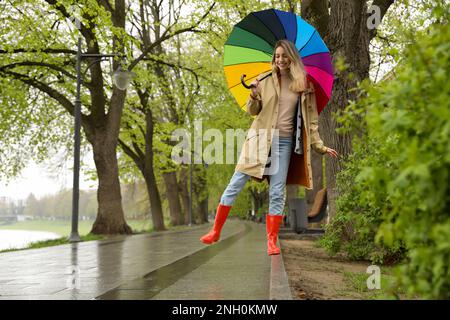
(287, 104)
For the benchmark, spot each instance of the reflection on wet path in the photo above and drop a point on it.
(156, 281)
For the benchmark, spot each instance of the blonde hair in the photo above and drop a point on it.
(297, 70)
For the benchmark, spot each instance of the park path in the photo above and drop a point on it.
(162, 265)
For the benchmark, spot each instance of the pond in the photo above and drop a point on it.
(22, 238)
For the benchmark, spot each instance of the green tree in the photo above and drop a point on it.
(163, 92)
(38, 54)
(33, 207)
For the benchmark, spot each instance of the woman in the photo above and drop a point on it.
(278, 143)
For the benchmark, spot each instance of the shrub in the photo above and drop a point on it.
(394, 189)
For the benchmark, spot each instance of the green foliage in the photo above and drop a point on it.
(419, 197)
(403, 19)
(394, 189)
(60, 205)
(31, 126)
(34, 125)
(358, 207)
(389, 290)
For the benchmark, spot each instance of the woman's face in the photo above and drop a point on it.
(281, 59)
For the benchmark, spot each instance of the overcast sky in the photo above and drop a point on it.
(41, 181)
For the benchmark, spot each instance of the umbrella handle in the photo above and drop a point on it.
(252, 85)
(244, 84)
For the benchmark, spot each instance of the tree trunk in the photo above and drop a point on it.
(176, 217)
(203, 211)
(291, 193)
(258, 200)
(201, 192)
(343, 27)
(255, 203)
(348, 38)
(110, 216)
(149, 176)
(155, 201)
(144, 161)
(316, 13)
(184, 191)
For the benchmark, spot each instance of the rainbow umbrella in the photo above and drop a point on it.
(248, 51)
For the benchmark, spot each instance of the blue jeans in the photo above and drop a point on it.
(280, 156)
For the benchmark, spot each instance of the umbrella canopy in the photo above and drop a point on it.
(250, 45)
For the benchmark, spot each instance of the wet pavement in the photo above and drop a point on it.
(165, 265)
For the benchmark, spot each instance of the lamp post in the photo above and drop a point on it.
(121, 79)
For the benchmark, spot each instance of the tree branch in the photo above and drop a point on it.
(39, 64)
(48, 50)
(63, 100)
(196, 75)
(86, 32)
(137, 149)
(166, 36)
(97, 91)
(131, 154)
(105, 4)
(384, 6)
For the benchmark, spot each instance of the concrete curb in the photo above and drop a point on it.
(279, 284)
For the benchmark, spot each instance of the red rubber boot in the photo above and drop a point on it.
(221, 217)
(272, 227)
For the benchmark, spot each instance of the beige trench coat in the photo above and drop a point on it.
(256, 147)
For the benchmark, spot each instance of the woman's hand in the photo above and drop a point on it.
(255, 90)
(332, 152)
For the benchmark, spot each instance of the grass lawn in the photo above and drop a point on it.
(63, 227)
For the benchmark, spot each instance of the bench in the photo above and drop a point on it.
(299, 217)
